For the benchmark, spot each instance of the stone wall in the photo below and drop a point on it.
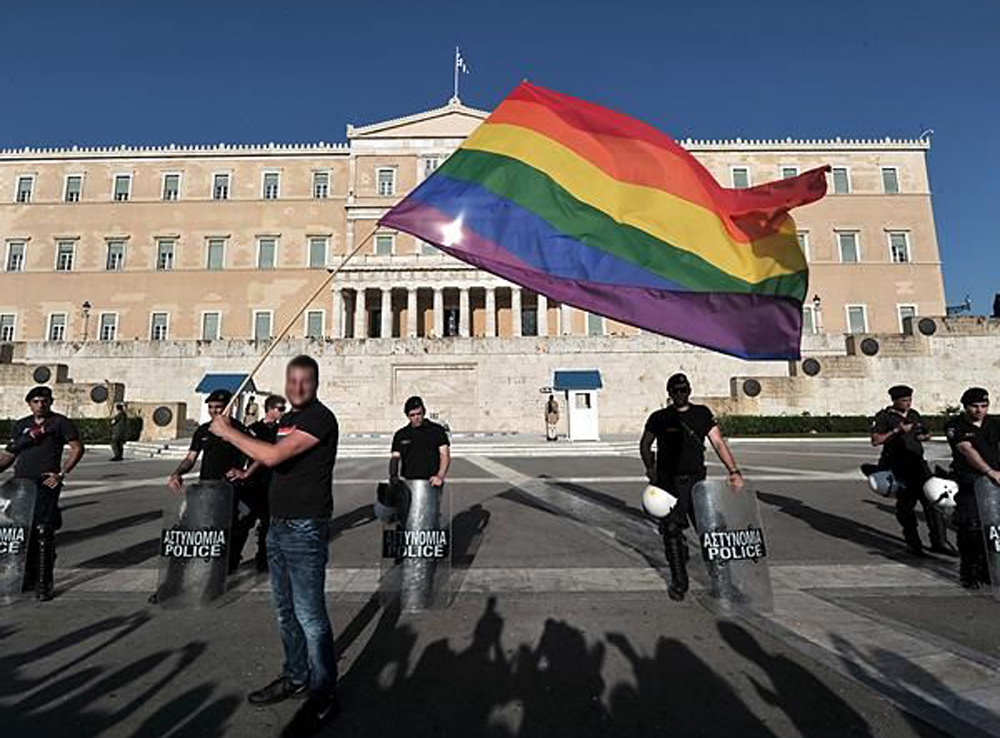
(495, 384)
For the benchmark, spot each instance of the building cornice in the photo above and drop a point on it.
(220, 150)
(806, 144)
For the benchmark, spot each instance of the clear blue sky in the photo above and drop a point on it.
(148, 71)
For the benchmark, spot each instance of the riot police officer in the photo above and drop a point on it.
(901, 433)
(36, 450)
(974, 437)
(678, 464)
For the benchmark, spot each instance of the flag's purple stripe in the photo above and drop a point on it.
(530, 238)
(748, 326)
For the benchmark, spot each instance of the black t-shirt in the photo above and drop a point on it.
(217, 456)
(263, 431)
(984, 438)
(302, 486)
(420, 449)
(42, 454)
(680, 439)
(903, 445)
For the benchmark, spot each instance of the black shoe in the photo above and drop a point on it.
(260, 563)
(944, 548)
(317, 711)
(915, 546)
(279, 690)
(969, 583)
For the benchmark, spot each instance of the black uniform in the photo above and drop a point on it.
(680, 456)
(253, 493)
(903, 454)
(217, 456)
(420, 449)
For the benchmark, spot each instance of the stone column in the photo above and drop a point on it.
(515, 311)
(464, 319)
(491, 312)
(543, 315)
(411, 312)
(359, 313)
(438, 312)
(565, 319)
(337, 316)
(386, 331)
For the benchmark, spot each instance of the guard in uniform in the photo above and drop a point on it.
(252, 484)
(974, 437)
(421, 447)
(36, 450)
(219, 457)
(901, 433)
(679, 431)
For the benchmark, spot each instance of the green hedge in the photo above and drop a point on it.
(92, 430)
(779, 425)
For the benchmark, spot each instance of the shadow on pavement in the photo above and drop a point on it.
(62, 700)
(556, 686)
(75, 535)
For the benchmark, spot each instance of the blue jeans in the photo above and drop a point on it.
(296, 555)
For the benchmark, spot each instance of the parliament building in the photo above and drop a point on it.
(224, 241)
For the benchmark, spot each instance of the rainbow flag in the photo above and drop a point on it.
(601, 211)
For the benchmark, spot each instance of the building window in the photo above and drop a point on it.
(321, 185)
(171, 186)
(899, 247)
(431, 163)
(74, 185)
(24, 186)
(847, 242)
(210, 326)
(741, 177)
(857, 319)
(164, 254)
(890, 180)
(383, 245)
(8, 322)
(57, 327)
(803, 238)
(595, 325)
(808, 320)
(271, 182)
(905, 312)
(261, 325)
(789, 172)
(841, 181)
(158, 326)
(123, 187)
(220, 187)
(427, 248)
(386, 179)
(116, 256)
(529, 321)
(15, 256)
(107, 328)
(267, 252)
(216, 254)
(317, 252)
(314, 323)
(64, 256)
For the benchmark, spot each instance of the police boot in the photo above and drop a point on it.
(675, 548)
(46, 562)
(237, 542)
(937, 528)
(968, 574)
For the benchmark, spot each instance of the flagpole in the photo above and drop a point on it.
(284, 331)
(455, 96)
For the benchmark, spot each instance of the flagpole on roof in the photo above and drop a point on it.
(458, 59)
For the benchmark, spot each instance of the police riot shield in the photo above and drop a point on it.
(732, 545)
(416, 546)
(17, 511)
(988, 501)
(194, 545)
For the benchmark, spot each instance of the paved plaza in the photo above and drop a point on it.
(561, 625)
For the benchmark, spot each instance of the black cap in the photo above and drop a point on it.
(900, 391)
(975, 395)
(678, 381)
(219, 395)
(39, 391)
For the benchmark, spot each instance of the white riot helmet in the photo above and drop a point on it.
(941, 493)
(884, 483)
(657, 502)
